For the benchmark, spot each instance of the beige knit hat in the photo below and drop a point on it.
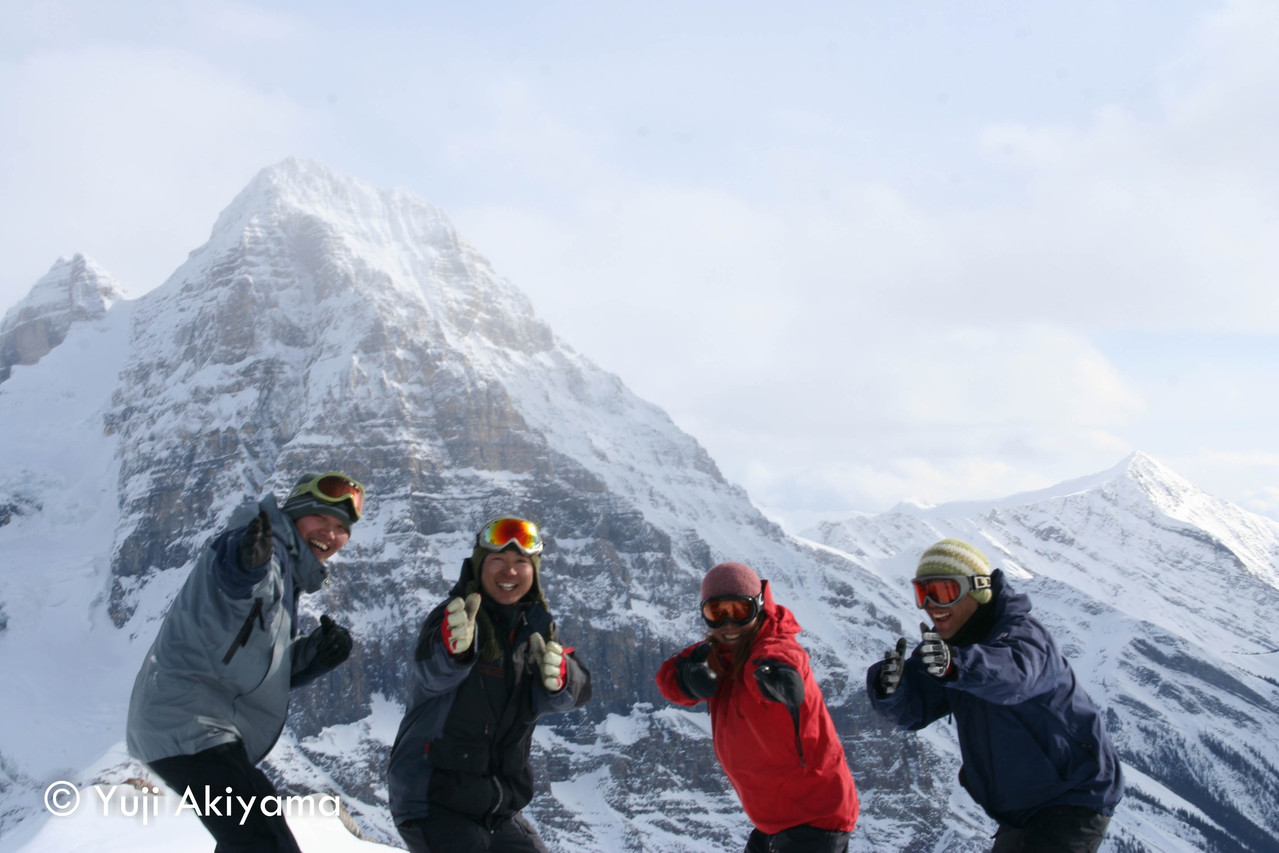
(954, 557)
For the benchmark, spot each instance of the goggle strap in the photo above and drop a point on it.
(511, 543)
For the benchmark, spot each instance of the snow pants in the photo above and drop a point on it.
(798, 839)
(446, 832)
(1056, 829)
(217, 769)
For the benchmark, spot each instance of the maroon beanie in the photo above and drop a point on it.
(731, 579)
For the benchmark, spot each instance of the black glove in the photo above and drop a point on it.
(780, 682)
(335, 643)
(934, 651)
(256, 544)
(890, 674)
(695, 676)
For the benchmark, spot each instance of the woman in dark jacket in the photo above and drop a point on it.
(769, 724)
(488, 664)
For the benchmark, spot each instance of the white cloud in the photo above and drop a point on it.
(126, 155)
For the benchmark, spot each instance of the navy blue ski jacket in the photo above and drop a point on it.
(1029, 735)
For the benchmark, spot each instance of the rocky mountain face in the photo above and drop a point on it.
(328, 324)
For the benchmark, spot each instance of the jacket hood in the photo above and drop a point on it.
(1007, 602)
(1004, 604)
(780, 622)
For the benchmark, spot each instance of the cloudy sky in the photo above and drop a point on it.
(865, 252)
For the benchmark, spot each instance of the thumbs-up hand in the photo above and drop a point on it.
(934, 651)
(458, 628)
(550, 661)
(890, 674)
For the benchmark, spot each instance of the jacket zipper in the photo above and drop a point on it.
(242, 638)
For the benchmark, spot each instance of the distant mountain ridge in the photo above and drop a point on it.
(328, 322)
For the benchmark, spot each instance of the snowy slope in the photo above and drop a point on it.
(328, 323)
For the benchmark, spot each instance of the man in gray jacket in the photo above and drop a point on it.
(211, 698)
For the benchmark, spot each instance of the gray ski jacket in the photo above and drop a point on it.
(226, 654)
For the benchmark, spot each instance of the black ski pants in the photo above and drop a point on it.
(798, 839)
(446, 832)
(1056, 829)
(215, 770)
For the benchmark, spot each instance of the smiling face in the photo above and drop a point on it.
(948, 620)
(506, 576)
(729, 635)
(323, 534)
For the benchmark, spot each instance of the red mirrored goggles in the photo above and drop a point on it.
(333, 488)
(509, 530)
(946, 590)
(739, 610)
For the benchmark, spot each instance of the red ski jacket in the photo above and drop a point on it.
(786, 764)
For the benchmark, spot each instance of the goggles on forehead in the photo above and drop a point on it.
(946, 590)
(333, 488)
(739, 610)
(509, 530)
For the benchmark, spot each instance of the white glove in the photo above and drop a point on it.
(549, 658)
(459, 623)
(934, 651)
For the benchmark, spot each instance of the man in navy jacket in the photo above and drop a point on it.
(1036, 756)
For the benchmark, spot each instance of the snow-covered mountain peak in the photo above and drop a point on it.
(339, 254)
(72, 291)
(1144, 477)
(911, 506)
(1164, 486)
(78, 286)
(1154, 492)
(360, 211)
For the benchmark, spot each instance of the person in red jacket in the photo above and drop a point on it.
(772, 733)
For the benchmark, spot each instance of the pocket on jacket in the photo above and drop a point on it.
(460, 756)
(1021, 773)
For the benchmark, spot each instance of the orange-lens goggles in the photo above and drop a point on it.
(334, 487)
(738, 609)
(946, 590)
(508, 530)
